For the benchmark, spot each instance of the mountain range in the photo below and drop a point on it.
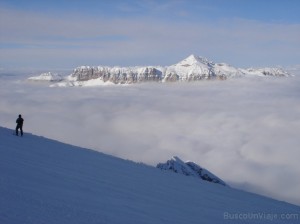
(193, 68)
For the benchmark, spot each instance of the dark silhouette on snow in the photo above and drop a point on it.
(19, 122)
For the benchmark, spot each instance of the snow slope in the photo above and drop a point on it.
(45, 181)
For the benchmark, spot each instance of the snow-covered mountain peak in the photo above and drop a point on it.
(189, 168)
(193, 60)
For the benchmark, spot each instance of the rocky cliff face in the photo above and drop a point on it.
(193, 68)
(189, 169)
(117, 74)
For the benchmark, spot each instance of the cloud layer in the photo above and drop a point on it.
(244, 130)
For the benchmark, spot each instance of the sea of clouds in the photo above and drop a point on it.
(246, 131)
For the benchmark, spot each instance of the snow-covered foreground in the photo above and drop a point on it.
(45, 181)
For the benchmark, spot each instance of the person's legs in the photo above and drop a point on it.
(21, 129)
(17, 130)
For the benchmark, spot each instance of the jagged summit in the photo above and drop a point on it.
(193, 59)
(189, 168)
(192, 68)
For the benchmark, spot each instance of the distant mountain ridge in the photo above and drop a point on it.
(47, 76)
(192, 68)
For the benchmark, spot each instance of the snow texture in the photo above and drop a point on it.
(45, 181)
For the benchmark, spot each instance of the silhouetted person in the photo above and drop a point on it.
(19, 122)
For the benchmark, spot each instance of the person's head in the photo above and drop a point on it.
(20, 115)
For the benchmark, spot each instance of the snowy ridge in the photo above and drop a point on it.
(48, 76)
(267, 72)
(189, 169)
(193, 68)
(45, 181)
(117, 75)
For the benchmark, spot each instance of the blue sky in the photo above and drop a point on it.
(65, 34)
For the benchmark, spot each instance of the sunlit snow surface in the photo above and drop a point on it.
(44, 181)
(246, 131)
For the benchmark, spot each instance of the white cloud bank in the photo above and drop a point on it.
(246, 130)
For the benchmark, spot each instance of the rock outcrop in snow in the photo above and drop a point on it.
(189, 169)
(193, 68)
